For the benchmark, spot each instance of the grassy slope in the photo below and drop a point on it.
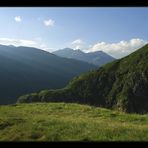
(121, 84)
(69, 122)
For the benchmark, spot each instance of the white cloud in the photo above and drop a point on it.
(36, 43)
(17, 19)
(77, 44)
(78, 41)
(117, 50)
(120, 49)
(49, 23)
(78, 47)
(17, 42)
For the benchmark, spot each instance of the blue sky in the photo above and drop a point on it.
(117, 31)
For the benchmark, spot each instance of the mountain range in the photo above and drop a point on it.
(97, 58)
(121, 84)
(25, 70)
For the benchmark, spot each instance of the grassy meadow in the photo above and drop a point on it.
(69, 122)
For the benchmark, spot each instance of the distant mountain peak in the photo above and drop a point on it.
(79, 50)
(66, 49)
(11, 46)
(98, 58)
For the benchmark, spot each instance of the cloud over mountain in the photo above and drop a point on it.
(119, 49)
(77, 44)
(17, 42)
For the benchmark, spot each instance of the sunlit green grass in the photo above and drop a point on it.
(69, 122)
